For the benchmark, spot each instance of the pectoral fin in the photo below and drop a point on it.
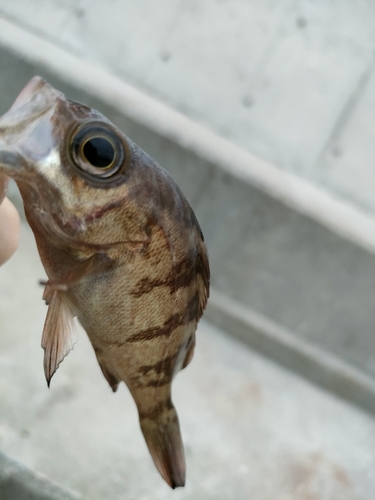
(59, 333)
(95, 264)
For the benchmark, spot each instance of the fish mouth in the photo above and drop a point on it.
(35, 99)
(30, 107)
(29, 90)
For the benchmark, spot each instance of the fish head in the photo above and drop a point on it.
(75, 170)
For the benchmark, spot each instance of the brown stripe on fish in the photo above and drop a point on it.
(159, 382)
(158, 374)
(156, 410)
(158, 331)
(174, 321)
(165, 365)
(140, 383)
(181, 275)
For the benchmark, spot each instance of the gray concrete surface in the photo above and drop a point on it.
(251, 428)
(291, 81)
(17, 482)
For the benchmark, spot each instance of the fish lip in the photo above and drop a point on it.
(37, 93)
(32, 103)
(27, 92)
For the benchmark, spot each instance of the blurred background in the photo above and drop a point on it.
(264, 113)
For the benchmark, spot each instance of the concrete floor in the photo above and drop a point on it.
(251, 428)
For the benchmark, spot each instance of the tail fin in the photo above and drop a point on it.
(163, 438)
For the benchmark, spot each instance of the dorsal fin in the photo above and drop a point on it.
(203, 272)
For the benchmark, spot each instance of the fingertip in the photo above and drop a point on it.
(9, 230)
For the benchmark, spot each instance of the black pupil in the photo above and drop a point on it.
(99, 152)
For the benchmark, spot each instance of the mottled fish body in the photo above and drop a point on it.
(122, 250)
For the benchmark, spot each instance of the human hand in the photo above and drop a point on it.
(9, 224)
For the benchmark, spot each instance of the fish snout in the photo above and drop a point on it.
(25, 130)
(34, 101)
(27, 92)
(37, 95)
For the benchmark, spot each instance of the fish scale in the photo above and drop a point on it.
(122, 250)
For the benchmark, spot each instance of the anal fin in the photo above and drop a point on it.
(111, 379)
(59, 333)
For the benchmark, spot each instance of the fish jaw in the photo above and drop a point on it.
(26, 139)
(36, 98)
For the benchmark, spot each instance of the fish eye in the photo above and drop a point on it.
(97, 151)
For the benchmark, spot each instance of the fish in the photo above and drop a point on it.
(122, 249)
